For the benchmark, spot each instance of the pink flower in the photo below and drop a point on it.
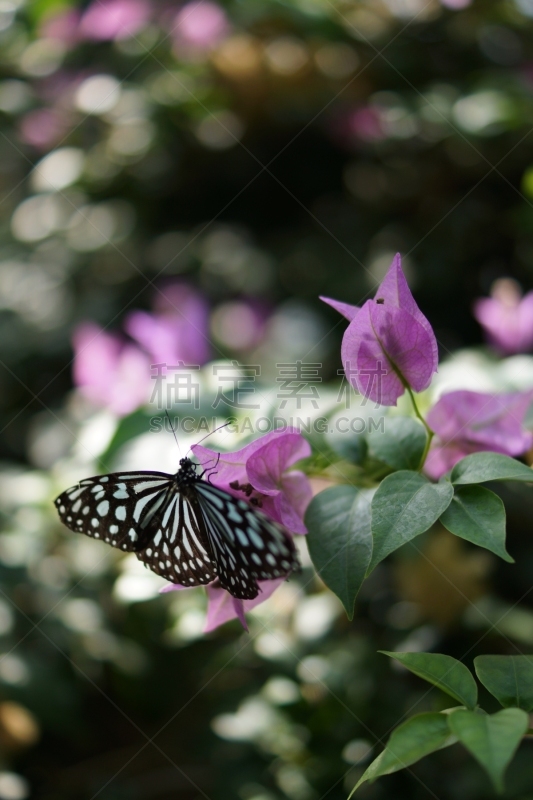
(221, 606)
(468, 422)
(62, 26)
(43, 128)
(108, 371)
(507, 317)
(260, 472)
(107, 20)
(178, 331)
(389, 344)
(200, 25)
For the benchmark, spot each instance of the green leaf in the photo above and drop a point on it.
(411, 741)
(353, 447)
(481, 467)
(128, 428)
(492, 740)
(400, 445)
(443, 671)
(478, 515)
(340, 539)
(508, 678)
(405, 505)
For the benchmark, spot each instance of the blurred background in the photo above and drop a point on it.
(180, 183)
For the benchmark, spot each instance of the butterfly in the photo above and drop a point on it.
(182, 527)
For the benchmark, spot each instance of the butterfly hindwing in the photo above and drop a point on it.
(179, 550)
(247, 545)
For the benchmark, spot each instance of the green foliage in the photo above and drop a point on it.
(482, 467)
(340, 539)
(478, 515)
(491, 739)
(443, 671)
(405, 505)
(508, 678)
(411, 741)
(400, 445)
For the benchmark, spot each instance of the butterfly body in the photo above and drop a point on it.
(182, 527)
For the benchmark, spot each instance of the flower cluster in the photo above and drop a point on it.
(389, 338)
(388, 349)
(471, 422)
(114, 372)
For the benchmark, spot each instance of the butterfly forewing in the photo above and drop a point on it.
(183, 528)
(116, 508)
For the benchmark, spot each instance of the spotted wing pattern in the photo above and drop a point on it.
(141, 512)
(179, 550)
(116, 508)
(247, 546)
(183, 528)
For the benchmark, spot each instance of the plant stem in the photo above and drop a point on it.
(429, 433)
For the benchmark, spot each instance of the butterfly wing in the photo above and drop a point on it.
(189, 535)
(179, 550)
(141, 512)
(247, 545)
(118, 508)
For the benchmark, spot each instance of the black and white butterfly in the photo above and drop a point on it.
(182, 527)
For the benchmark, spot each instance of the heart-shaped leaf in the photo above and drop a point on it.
(405, 505)
(492, 740)
(340, 539)
(508, 678)
(478, 515)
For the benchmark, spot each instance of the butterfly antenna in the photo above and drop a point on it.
(173, 431)
(225, 425)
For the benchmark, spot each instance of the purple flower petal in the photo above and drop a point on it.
(348, 311)
(389, 343)
(296, 486)
(200, 25)
(222, 607)
(283, 509)
(232, 466)
(178, 331)
(114, 19)
(468, 422)
(172, 587)
(395, 291)
(110, 373)
(507, 318)
(384, 349)
(266, 466)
